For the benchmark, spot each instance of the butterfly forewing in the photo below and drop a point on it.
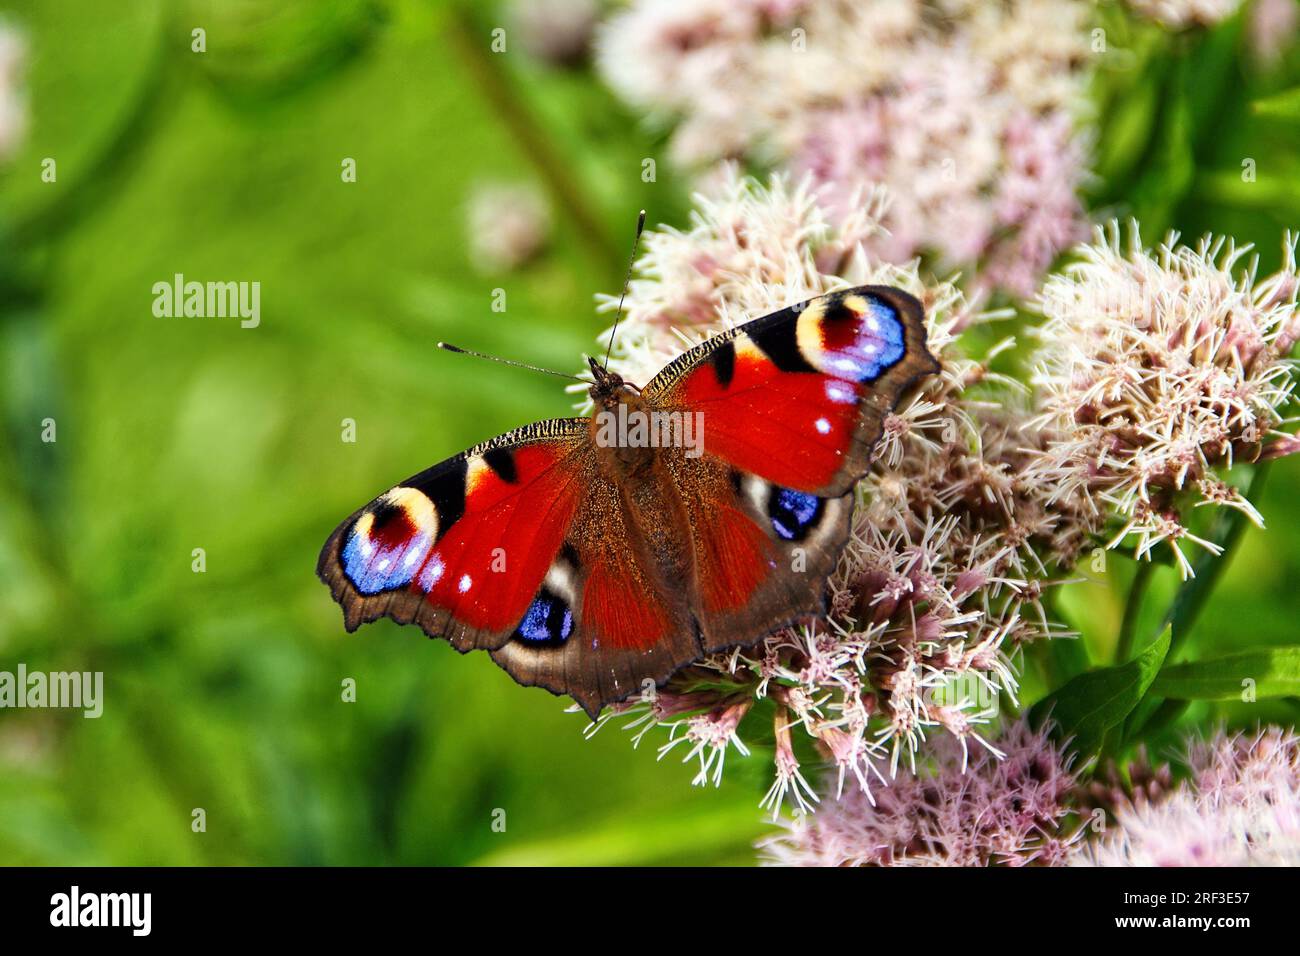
(799, 396)
(462, 548)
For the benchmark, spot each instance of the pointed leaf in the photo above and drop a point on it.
(1275, 672)
(1099, 700)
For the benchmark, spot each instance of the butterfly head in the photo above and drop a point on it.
(607, 387)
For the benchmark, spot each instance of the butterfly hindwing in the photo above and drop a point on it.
(609, 615)
(799, 397)
(715, 557)
(762, 552)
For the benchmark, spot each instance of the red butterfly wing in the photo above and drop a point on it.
(462, 548)
(762, 553)
(791, 406)
(799, 397)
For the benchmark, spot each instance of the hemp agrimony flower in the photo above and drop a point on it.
(1158, 371)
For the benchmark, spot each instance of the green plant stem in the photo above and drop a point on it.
(1209, 568)
(1128, 625)
(1191, 597)
(554, 169)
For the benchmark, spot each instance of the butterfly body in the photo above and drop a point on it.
(611, 396)
(596, 557)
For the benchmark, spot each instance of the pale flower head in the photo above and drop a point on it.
(507, 225)
(1179, 14)
(1158, 371)
(13, 100)
(1240, 807)
(1271, 28)
(981, 808)
(558, 31)
(662, 54)
(967, 112)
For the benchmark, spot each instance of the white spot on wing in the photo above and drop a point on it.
(559, 578)
(840, 393)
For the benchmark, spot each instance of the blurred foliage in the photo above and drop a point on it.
(223, 689)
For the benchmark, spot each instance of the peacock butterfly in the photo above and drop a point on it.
(587, 565)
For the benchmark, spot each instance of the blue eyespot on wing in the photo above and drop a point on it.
(793, 513)
(389, 541)
(548, 622)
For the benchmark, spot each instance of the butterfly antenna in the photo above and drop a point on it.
(640, 226)
(492, 358)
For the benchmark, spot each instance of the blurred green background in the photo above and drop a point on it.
(223, 689)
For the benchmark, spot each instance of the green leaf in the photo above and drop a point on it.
(1092, 704)
(1165, 715)
(1128, 128)
(1275, 671)
(1169, 168)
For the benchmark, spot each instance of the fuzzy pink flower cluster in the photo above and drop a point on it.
(1022, 804)
(1004, 808)
(13, 103)
(1240, 807)
(1156, 372)
(1272, 28)
(557, 31)
(966, 111)
(507, 225)
(1180, 14)
(1153, 372)
(951, 544)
